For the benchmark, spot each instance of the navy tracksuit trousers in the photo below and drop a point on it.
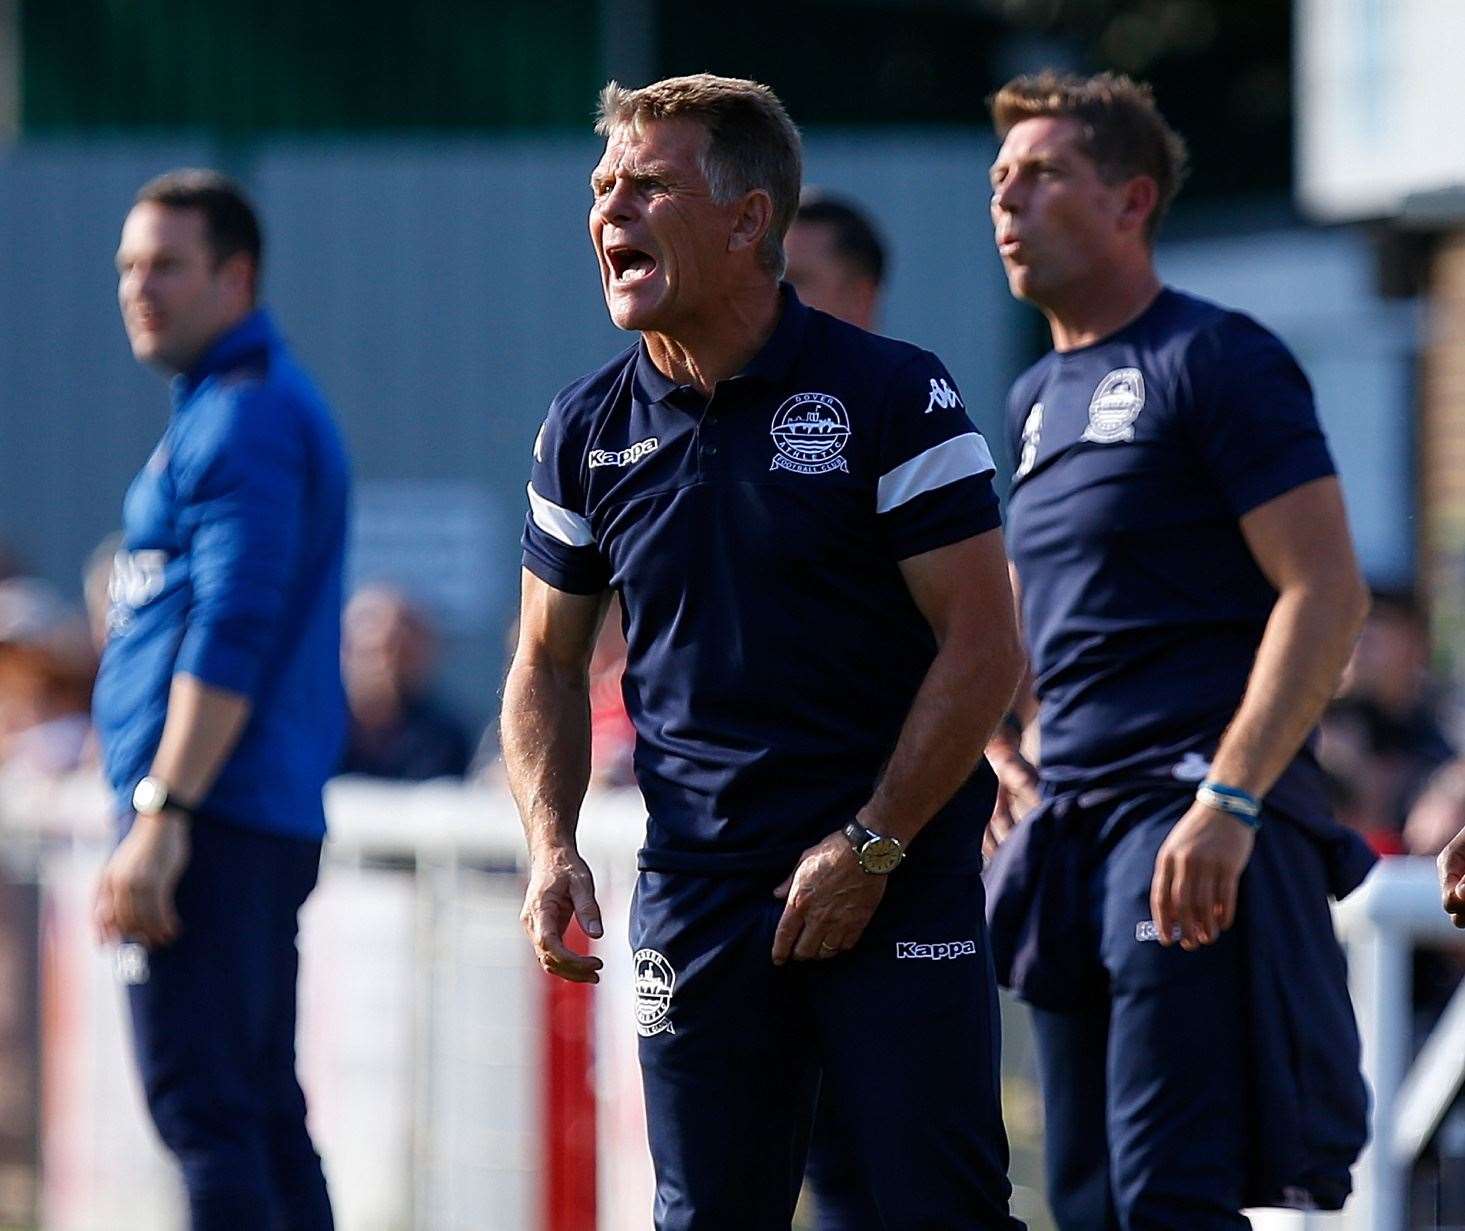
(214, 1028)
(902, 1030)
(1145, 1087)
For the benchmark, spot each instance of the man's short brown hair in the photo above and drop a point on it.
(752, 143)
(1124, 133)
(230, 224)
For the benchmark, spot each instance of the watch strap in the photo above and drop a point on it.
(162, 800)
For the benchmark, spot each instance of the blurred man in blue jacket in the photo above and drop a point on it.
(219, 706)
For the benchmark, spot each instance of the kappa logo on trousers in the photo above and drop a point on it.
(936, 952)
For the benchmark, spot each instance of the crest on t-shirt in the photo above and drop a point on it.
(810, 431)
(1115, 406)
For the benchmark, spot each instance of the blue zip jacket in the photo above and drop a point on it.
(234, 534)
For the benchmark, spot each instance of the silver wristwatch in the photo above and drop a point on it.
(151, 796)
(878, 855)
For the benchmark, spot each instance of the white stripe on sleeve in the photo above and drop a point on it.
(953, 459)
(559, 523)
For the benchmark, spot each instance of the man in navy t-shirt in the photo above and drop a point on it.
(1189, 596)
(799, 521)
(219, 707)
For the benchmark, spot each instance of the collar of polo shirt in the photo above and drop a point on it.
(771, 365)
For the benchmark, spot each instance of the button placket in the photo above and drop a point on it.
(708, 439)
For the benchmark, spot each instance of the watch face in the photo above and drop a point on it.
(149, 796)
(881, 855)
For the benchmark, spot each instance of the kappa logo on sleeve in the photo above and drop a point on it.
(936, 952)
(655, 982)
(623, 457)
(943, 396)
(1032, 438)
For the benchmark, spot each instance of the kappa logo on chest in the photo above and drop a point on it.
(1115, 406)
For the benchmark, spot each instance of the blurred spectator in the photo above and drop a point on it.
(836, 261)
(1439, 812)
(1382, 738)
(388, 651)
(612, 738)
(10, 565)
(47, 666)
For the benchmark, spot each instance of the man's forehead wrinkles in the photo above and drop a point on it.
(632, 163)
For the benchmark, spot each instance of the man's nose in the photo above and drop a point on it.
(616, 205)
(136, 281)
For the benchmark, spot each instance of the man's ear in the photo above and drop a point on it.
(1141, 199)
(754, 217)
(240, 276)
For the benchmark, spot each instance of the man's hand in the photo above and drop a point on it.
(1197, 872)
(1004, 821)
(829, 900)
(1452, 870)
(1017, 793)
(561, 888)
(134, 899)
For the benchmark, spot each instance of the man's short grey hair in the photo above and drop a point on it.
(752, 143)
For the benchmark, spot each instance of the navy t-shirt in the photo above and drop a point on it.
(754, 538)
(1142, 605)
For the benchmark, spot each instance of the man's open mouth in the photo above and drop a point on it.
(629, 264)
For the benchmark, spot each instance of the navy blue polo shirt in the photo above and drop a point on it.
(1142, 606)
(754, 538)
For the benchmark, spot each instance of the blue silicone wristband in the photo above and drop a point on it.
(1233, 801)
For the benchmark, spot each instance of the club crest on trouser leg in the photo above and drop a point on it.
(131, 963)
(655, 981)
(1115, 406)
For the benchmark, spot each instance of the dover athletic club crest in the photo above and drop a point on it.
(1116, 405)
(810, 431)
(655, 981)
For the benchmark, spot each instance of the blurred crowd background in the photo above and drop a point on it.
(421, 174)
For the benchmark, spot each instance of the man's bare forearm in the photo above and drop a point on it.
(546, 742)
(961, 700)
(1303, 651)
(202, 727)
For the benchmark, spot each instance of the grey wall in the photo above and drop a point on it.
(441, 292)
(77, 415)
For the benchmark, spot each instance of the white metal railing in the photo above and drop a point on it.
(420, 1016)
(420, 1019)
(1381, 923)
